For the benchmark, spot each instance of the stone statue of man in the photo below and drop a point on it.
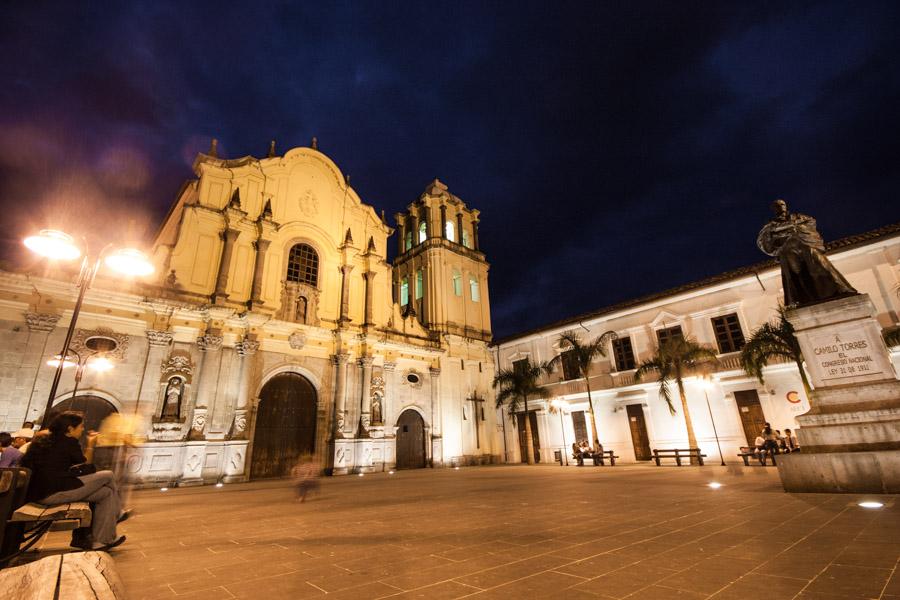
(808, 277)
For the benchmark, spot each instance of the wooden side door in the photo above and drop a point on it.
(579, 425)
(410, 440)
(520, 422)
(752, 418)
(285, 425)
(639, 436)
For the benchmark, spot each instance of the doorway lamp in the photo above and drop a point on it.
(58, 245)
(94, 360)
(707, 384)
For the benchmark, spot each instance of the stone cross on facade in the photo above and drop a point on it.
(477, 411)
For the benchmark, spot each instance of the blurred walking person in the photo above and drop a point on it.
(306, 476)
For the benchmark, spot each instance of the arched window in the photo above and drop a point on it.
(457, 283)
(473, 288)
(450, 231)
(423, 233)
(404, 291)
(303, 265)
(465, 239)
(419, 284)
(407, 241)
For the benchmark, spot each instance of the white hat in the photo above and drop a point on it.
(24, 433)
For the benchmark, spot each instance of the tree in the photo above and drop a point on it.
(675, 359)
(773, 340)
(518, 384)
(583, 354)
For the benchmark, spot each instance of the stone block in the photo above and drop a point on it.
(841, 472)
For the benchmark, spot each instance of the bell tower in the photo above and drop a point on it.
(440, 273)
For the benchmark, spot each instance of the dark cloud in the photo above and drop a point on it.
(614, 148)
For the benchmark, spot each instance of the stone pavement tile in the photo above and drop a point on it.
(658, 592)
(540, 585)
(595, 566)
(679, 558)
(231, 574)
(641, 550)
(368, 591)
(756, 549)
(511, 571)
(791, 564)
(217, 593)
(441, 591)
(850, 581)
(445, 572)
(869, 554)
(893, 586)
(274, 587)
(769, 587)
(710, 575)
(159, 591)
(624, 581)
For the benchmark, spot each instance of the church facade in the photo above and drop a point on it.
(275, 327)
(727, 407)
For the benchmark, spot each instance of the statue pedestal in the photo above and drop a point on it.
(850, 439)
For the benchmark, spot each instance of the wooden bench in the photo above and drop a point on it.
(23, 524)
(678, 454)
(606, 455)
(76, 576)
(746, 456)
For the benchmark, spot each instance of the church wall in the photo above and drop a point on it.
(873, 269)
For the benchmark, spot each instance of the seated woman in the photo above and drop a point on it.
(576, 454)
(51, 458)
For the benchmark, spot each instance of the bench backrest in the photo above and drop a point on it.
(13, 487)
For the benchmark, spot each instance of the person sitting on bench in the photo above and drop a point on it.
(576, 454)
(61, 473)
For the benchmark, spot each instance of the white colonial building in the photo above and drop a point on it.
(273, 327)
(719, 312)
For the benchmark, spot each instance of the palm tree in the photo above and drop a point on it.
(675, 359)
(584, 354)
(517, 384)
(773, 340)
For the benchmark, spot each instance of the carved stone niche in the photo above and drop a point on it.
(168, 423)
(299, 303)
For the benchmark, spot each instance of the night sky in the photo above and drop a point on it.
(614, 148)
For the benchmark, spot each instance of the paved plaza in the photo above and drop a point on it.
(512, 532)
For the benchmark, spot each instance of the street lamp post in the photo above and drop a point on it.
(706, 384)
(61, 246)
(558, 404)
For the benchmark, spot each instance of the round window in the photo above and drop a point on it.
(412, 378)
(100, 343)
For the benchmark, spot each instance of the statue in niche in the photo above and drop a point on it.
(172, 400)
(300, 310)
(376, 409)
(808, 277)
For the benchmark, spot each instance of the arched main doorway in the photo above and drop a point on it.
(410, 440)
(94, 409)
(285, 425)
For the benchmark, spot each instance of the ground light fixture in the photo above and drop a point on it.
(871, 504)
(59, 245)
(164, 489)
(220, 484)
(714, 485)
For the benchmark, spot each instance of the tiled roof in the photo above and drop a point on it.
(846, 243)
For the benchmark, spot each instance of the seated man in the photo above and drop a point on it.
(9, 454)
(576, 454)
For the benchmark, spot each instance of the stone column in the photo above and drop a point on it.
(35, 349)
(370, 285)
(345, 293)
(210, 345)
(475, 235)
(149, 393)
(229, 236)
(261, 246)
(435, 402)
(365, 397)
(340, 393)
(401, 248)
(437, 450)
(443, 221)
(246, 349)
(387, 402)
(459, 228)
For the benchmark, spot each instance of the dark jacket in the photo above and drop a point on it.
(49, 458)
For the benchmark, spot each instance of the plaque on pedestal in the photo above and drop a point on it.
(850, 438)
